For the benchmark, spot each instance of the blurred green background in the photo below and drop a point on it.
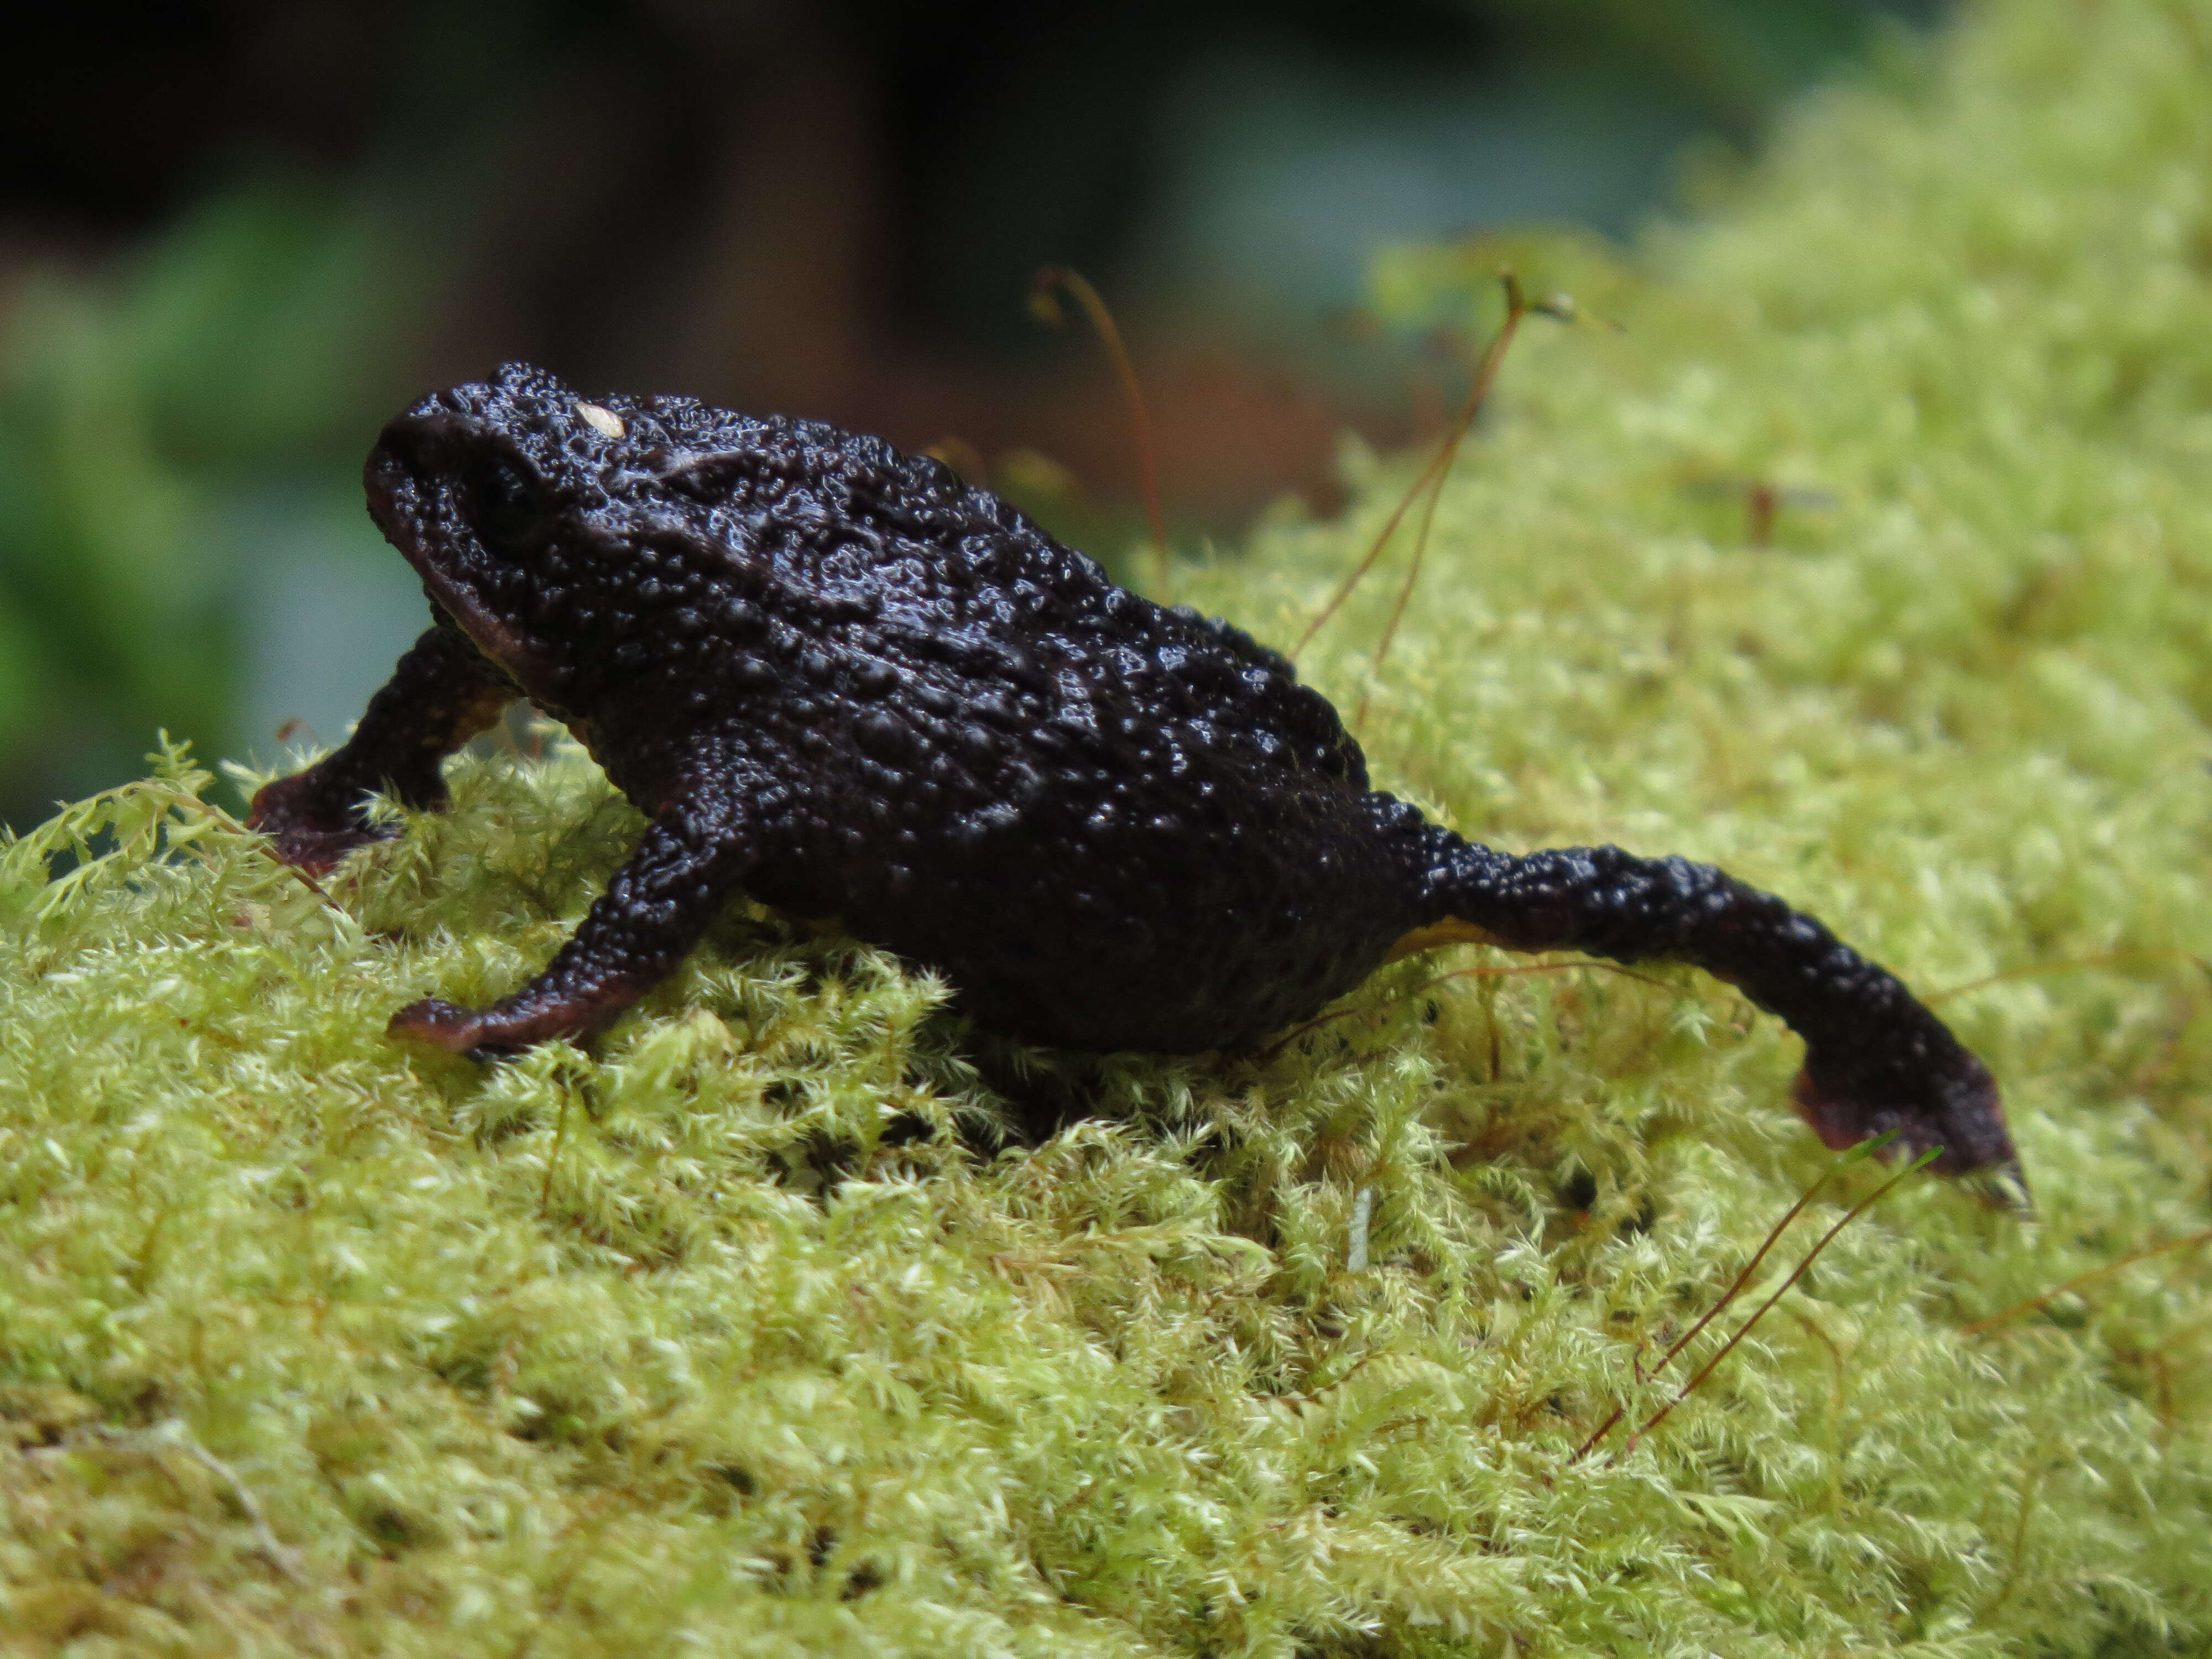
(234, 238)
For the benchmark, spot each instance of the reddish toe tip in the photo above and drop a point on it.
(1952, 1106)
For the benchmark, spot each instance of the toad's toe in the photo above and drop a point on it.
(1944, 1102)
(441, 1025)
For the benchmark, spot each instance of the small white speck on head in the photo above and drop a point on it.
(605, 421)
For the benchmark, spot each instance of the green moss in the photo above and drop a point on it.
(308, 1343)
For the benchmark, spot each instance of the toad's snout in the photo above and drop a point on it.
(416, 480)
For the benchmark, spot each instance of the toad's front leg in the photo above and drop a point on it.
(686, 867)
(1875, 1058)
(442, 693)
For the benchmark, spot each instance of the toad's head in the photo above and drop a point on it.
(568, 538)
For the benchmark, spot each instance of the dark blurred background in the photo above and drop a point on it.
(235, 236)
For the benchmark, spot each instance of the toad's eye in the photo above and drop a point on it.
(506, 507)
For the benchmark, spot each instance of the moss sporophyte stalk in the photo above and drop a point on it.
(799, 1313)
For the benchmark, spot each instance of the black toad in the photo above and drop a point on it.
(836, 677)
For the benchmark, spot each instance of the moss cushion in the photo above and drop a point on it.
(797, 1316)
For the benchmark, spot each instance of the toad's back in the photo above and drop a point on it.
(1112, 824)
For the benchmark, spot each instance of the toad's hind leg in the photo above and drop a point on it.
(442, 693)
(1875, 1058)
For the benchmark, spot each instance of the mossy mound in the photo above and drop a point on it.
(765, 1328)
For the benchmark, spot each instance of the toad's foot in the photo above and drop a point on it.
(482, 1033)
(441, 694)
(304, 831)
(1947, 1101)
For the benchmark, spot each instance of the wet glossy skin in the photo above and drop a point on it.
(841, 681)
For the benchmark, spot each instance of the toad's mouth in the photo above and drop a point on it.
(419, 516)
